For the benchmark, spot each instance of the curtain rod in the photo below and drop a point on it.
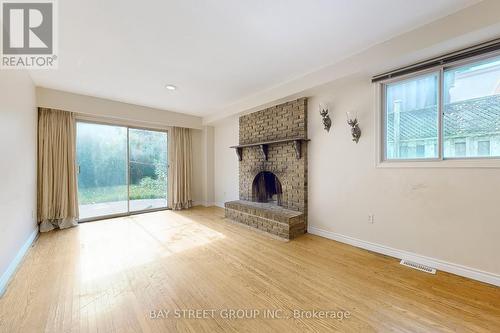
(472, 51)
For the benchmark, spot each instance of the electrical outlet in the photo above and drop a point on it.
(371, 218)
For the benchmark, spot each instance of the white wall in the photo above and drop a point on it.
(225, 161)
(445, 213)
(449, 214)
(203, 166)
(100, 107)
(18, 123)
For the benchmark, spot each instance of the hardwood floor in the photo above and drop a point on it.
(108, 276)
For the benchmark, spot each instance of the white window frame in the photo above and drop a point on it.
(440, 161)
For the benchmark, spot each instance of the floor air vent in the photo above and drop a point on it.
(419, 267)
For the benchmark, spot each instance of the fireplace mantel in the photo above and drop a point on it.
(264, 146)
(273, 140)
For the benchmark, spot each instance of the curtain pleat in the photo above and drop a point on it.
(180, 168)
(57, 179)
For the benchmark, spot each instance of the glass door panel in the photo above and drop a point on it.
(147, 169)
(102, 169)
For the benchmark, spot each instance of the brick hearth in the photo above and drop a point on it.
(288, 162)
(270, 218)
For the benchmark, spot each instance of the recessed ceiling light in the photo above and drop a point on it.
(171, 87)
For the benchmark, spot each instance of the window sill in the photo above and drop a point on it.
(487, 163)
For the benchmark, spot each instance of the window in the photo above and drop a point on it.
(483, 148)
(411, 115)
(472, 106)
(460, 149)
(420, 151)
(464, 122)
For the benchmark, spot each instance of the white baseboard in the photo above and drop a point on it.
(203, 203)
(14, 264)
(457, 269)
(219, 204)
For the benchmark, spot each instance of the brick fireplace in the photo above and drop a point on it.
(272, 154)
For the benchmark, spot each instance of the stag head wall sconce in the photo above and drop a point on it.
(327, 122)
(355, 130)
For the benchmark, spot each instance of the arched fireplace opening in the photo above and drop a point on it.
(266, 187)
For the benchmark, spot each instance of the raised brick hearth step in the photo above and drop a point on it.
(272, 153)
(267, 217)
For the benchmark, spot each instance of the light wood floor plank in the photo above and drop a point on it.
(108, 276)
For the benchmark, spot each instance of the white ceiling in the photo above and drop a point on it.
(216, 52)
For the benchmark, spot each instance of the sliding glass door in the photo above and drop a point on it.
(120, 170)
(102, 170)
(148, 169)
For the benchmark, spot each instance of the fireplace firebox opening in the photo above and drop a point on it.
(266, 187)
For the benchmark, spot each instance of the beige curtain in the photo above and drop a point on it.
(57, 185)
(180, 168)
